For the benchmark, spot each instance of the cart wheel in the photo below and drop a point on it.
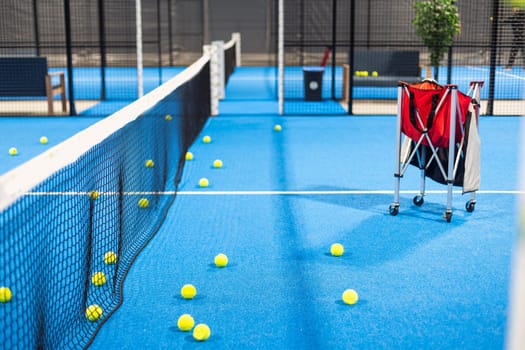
(393, 209)
(418, 200)
(447, 216)
(470, 206)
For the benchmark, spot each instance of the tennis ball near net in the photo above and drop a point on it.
(189, 156)
(5, 295)
(206, 139)
(149, 163)
(277, 127)
(93, 312)
(221, 260)
(185, 322)
(203, 182)
(143, 203)
(337, 249)
(188, 291)
(110, 257)
(94, 194)
(217, 163)
(350, 297)
(201, 332)
(375, 74)
(43, 140)
(13, 151)
(98, 278)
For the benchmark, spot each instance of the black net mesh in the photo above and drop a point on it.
(491, 35)
(103, 46)
(67, 244)
(229, 61)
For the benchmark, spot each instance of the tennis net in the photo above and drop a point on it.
(232, 55)
(73, 219)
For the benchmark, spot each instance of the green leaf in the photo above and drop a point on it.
(436, 22)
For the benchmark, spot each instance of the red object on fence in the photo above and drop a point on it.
(325, 57)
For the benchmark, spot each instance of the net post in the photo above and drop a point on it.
(280, 56)
(218, 52)
(214, 93)
(237, 38)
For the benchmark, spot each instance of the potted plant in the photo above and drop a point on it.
(436, 22)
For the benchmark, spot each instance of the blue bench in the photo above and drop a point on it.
(29, 77)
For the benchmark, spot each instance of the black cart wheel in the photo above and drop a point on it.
(448, 216)
(418, 200)
(470, 206)
(393, 209)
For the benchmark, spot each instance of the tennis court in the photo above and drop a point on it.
(275, 207)
(106, 219)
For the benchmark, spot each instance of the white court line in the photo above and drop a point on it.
(268, 193)
(498, 72)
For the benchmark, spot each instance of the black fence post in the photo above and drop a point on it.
(170, 30)
(301, 25)
(102, 47)
(159, 42)
(449, 65)
(334, 44)
(69, 54)
(351, 57)
(493, 56)
(36, 29)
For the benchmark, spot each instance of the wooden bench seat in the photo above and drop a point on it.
(29, 77)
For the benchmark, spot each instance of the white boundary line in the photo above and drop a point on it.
(509, 74)
(267, 193)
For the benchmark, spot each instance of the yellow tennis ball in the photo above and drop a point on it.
(185, 322)
(350, 297)
(221, 260)
(277, 127)
(365, 73)
(143, 203)
(375, 74)
(43, 140)
(217, 163)
(98, 279)
(201, 332)
(149, 163)
(168, 117)
(189, 156)
(188, 291)
(94, 194)
(206, 139)
(204, 182)
(94, 312)
(110, 257)
(5, 295)
(13, 151)
(337, 249)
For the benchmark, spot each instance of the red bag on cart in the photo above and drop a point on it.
(431, 102)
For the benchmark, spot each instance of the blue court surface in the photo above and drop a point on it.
(275, 207)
